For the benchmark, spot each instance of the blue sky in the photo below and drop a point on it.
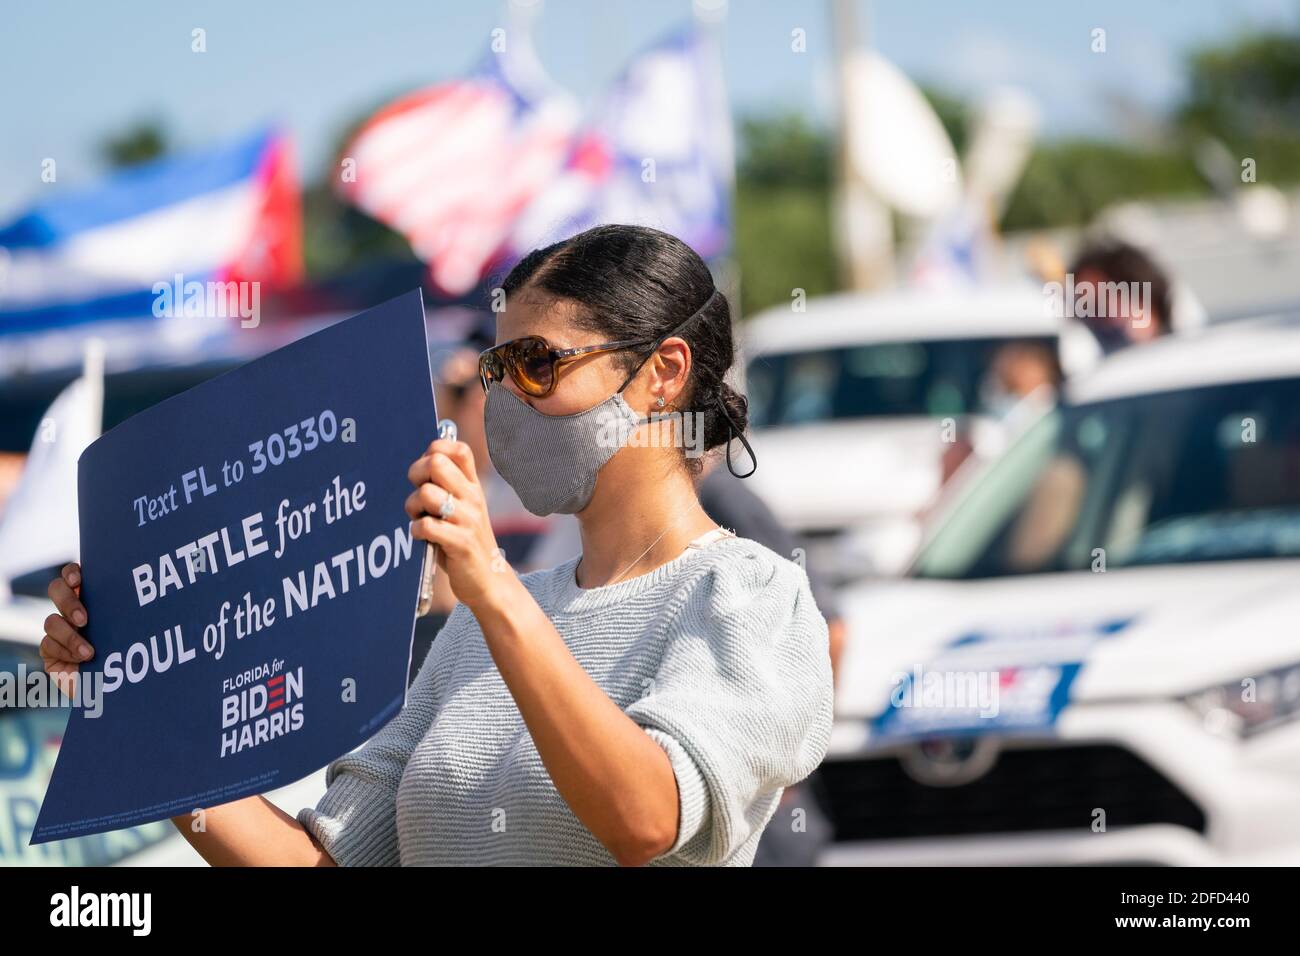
(73, 71)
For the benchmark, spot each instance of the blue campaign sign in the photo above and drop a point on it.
(250, 577)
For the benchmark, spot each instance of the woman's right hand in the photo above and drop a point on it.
(64, 649)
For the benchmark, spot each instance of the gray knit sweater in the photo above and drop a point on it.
(720, 654)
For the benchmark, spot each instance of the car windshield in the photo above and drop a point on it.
(930, 378)
(1206, 474)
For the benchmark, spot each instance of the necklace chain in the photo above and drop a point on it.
(642, 554)
(633, 564)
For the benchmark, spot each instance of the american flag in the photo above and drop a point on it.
(452, 166)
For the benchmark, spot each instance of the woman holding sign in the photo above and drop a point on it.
(645, 702)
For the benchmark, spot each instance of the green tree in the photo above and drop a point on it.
(141, 142)
(1245, 89)
(1068, 182)
(783, 211)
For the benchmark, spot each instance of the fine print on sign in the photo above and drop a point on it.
(250, 577)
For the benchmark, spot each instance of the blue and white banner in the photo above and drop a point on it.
(250, 577)
(658, 153)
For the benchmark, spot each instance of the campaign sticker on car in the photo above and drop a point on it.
(947, 701)
(992, 681)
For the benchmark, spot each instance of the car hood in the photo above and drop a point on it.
(1140, 632)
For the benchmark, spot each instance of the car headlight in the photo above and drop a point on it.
(1250, 704)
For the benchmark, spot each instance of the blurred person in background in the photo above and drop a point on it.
(1137, 318)
(1022, 381)
(733, 504)
(1021, 371)
(1143, 316)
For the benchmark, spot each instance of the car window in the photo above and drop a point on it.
(29, 743)
(929, 378)
(1206, 474)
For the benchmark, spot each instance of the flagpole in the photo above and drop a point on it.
(709, 16)
(863, 229)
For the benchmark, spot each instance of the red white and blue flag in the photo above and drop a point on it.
(228, 214)
(477, 172)
(452, 166)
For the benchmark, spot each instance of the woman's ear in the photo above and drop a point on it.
(672, 369)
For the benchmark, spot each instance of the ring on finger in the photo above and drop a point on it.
(448, 507)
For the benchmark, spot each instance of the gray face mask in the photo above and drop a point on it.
(551, 461)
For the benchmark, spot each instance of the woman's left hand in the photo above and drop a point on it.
(467, 548)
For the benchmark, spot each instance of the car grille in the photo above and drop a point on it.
(1029, 789)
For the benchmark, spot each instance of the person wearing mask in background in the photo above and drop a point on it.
(1134, 312)
(733, 504)
(645, 702)
(1124, 299)
(1021, 371)
(1020, 383)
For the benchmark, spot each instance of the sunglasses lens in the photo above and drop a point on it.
(489, 369)
(531, 365)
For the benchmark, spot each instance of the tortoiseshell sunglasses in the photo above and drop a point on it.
(534, 365)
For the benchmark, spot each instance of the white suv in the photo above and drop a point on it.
(1095, 656)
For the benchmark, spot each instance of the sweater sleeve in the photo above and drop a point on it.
(742, 700)
(356, 820)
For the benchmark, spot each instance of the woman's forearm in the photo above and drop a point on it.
(614, 777)
(250, 832)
